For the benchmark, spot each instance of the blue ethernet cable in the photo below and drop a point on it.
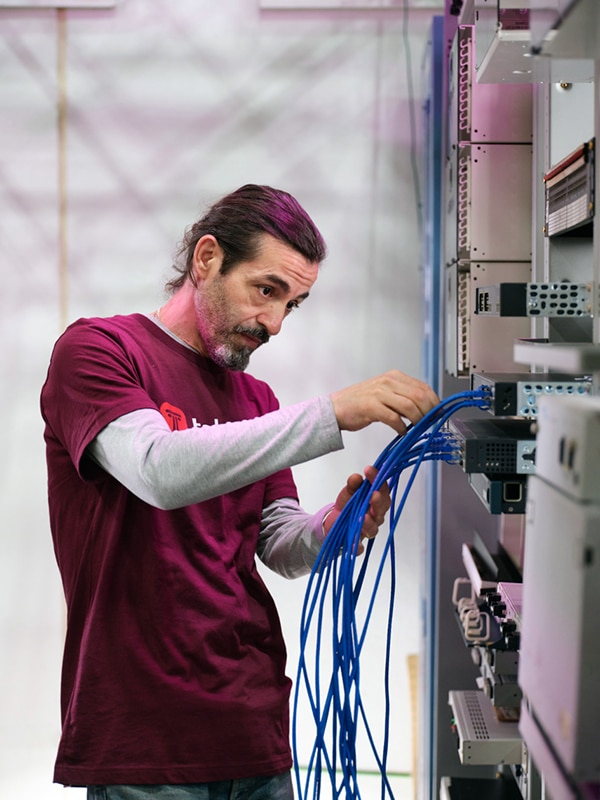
(330, 609)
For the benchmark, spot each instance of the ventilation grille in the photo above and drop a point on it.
(476, 718)
(570, 192)
(559, 299)
(463, 322)
(464, 181)
(464, 85)
(498, 456)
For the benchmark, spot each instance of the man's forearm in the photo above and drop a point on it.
(171, 469)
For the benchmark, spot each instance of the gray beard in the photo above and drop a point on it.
(236, 360)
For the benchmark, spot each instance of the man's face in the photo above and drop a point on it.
(237, 312)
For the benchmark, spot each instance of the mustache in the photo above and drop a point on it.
(259, 333)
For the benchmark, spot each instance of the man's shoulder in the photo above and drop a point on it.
(118, 322)
(118, 327)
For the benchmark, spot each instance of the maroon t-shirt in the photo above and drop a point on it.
(174, 659)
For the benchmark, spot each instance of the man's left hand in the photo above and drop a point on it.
(378, 506)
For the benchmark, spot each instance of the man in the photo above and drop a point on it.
(168, 471)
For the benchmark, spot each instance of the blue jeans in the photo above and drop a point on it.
(275, 787)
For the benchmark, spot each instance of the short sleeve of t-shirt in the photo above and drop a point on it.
(102, 369)
(92, 380)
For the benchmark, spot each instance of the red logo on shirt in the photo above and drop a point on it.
(174, 416)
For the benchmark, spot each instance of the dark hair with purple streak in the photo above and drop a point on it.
(238, 221)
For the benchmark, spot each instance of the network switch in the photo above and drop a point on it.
(495, 446)
(515, 394)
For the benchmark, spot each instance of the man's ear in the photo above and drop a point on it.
(208, 257)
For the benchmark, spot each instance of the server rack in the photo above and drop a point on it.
(491, 125)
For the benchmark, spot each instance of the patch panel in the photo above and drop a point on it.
(518, 394)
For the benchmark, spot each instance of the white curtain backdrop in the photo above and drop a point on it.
(169, 105)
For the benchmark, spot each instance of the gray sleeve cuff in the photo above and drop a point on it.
(290, 538)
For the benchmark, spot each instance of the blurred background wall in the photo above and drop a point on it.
(118, 127)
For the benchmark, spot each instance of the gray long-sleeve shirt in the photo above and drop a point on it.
(169, 469)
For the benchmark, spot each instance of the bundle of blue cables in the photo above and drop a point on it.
(330, 615)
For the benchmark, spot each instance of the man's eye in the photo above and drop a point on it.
(265, 290)
(293, 304)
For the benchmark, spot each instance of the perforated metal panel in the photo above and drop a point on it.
(560, 299)
(476, 718)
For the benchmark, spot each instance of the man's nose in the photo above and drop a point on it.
(272, 319)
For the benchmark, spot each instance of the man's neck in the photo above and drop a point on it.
(179, 316)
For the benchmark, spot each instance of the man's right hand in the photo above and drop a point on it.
(391, 398)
